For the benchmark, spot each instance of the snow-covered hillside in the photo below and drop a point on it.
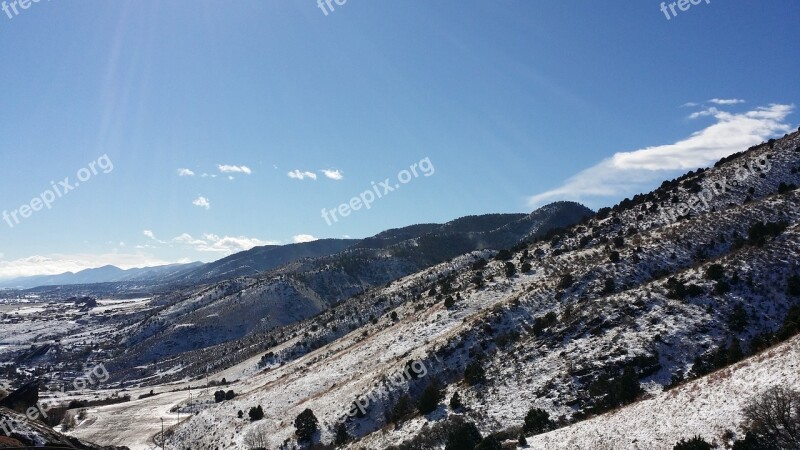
(710, 407)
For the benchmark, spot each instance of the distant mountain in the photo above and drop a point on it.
(105, 274)
(204, 316)
(259, 259)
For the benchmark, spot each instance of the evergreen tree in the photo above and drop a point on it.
(474, 373)
(306, 425)
(430, 398)
(256, 413)
(463, 436)
(342, 436)
(489, 443)
(537, 421)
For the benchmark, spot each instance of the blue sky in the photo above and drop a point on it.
(513, 103)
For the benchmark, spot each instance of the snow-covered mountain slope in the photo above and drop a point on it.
(249, 308)
(629, 291)
(710, 407)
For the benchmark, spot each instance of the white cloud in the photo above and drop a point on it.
(224, 168)
(726, 101)
(298, 175)
(300, 238)
(333, 174)
(202, 202)
(152, 236)
(225, 245)
(628, 173)
(55, 264)
(703, 113)
(185, 173)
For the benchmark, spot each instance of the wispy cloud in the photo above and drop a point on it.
(726, 101)
(628, 173)
(202, 202)
(712, 111)
(152, 236)
(225, 168)
(185, 173)
(298, 175)
(300, 238)
(220, 244)
(333, 174)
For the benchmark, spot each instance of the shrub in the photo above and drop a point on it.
(430, 398)
(774, 417)
(489, 443)
(526, 267)
(342, 436)
(695, 443)
(751, 442)
(455, 402)
(449, 302)
(537, 421)
(402, 409)
(791, 325)
(463, 436)
(737, 321)
(510, 269)
(715, 272)
(609, 286)
(256, 413)
(257, 439)
(542, 323)
(722, 287)
(474, 373)
(793, 286)
(566, 281)
(761, 231)
(219, 396)
(305, 426)
(504, 255)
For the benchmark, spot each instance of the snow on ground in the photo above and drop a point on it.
(707, 407)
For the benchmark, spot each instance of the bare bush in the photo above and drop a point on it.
(257, 439)
(774, 416)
